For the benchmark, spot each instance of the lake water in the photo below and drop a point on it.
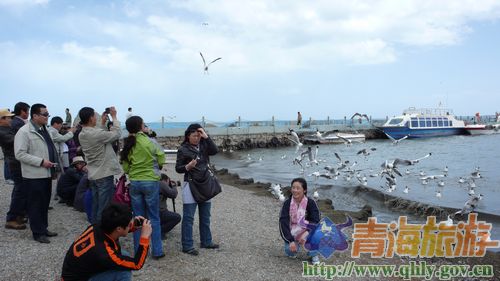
(462, 154)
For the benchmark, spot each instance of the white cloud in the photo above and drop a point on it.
(102, 57)
(23, 3)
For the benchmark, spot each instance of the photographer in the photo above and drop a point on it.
(97, 254)
(168, 219)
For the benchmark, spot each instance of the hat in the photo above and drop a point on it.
(78, 159)
(5, 112)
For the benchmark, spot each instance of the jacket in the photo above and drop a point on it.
(7, 136)
(312, 215)
(59, 139)
(187, 152)
(144, 160)
(98, 150)
(31, 149)
(95, 252)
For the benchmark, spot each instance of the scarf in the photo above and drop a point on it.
(298, 213)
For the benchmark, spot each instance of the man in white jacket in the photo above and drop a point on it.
(35, 149)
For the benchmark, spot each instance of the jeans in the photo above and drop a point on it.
(292, 254)
(39, 192)
(187, 225)
(102, 190)
(145, 199)
(113, 275)
(6, 170)
(19, 196)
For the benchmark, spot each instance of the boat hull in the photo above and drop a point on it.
(400, 132)
(477, 130)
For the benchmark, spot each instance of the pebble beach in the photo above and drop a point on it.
(244, 222)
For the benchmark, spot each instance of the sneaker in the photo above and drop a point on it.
(51, 234)
(315, 260)
(15, 225)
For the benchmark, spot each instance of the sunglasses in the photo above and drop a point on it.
(45, 114)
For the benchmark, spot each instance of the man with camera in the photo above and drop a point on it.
(102, 161)
(34, 148)
(97, 254)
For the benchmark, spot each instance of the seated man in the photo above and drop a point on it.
(68, 181)
(81, 189)
(97, 254)
(168, 220)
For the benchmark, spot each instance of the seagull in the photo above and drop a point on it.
(472, 183)
(432, 177)
(422, 173)
(470, 205)
(461, 180)
(361, 116)
(476, 175)
(445, 169)
(295, 139)
(441, 183)
(283, 156)
(447, 222)
(407, 189)
(407, 171)
(471, 191)
(365, 152)
(315, 195)
(438, 194)
(396, 141)
(205, 65)
(347, 142)
(425, 182)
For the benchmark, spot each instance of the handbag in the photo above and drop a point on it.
(122, 191)
(203, 186)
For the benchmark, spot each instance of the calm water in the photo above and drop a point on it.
(462, 154)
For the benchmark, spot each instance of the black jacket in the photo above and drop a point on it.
(187, 152)
(312, 215)
(95, 252)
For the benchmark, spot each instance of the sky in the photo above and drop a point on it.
(322, 58)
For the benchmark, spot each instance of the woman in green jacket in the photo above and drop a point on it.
(141, 159)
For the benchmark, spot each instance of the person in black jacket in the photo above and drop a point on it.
(68, 182)
(296, 209)
(193, 157)
(97, 254)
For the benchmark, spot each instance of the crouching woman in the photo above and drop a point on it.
(298, 208)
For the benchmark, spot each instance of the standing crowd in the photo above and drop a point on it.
(85, 160)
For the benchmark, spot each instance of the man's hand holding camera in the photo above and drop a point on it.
(144, 224)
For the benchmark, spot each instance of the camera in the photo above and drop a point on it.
(107, 110)
(138, 222)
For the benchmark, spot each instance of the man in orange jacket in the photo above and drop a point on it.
(97, 255)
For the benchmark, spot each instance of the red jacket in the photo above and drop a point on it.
(95, 252)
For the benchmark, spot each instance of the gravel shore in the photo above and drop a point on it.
(244, 222)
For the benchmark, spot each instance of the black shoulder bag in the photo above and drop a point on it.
(203, 184)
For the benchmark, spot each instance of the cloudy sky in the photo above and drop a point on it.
(323, 58)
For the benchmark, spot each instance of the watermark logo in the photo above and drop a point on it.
(464, 239)
(326, 237)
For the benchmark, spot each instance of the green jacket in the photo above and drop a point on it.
(144, 160)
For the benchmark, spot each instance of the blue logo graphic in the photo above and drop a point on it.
(326, 237)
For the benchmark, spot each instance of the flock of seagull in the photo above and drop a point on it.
(306, 158)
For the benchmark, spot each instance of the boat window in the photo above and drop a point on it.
(395, 121)
(428, 121)
(440, 122)
(445, 123)
(414, 122)
(451, 123)
(422, 122)
(434, 122)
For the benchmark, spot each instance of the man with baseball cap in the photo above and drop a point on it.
(16, 210)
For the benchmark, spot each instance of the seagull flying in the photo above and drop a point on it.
(205, 65)
(396, 141)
